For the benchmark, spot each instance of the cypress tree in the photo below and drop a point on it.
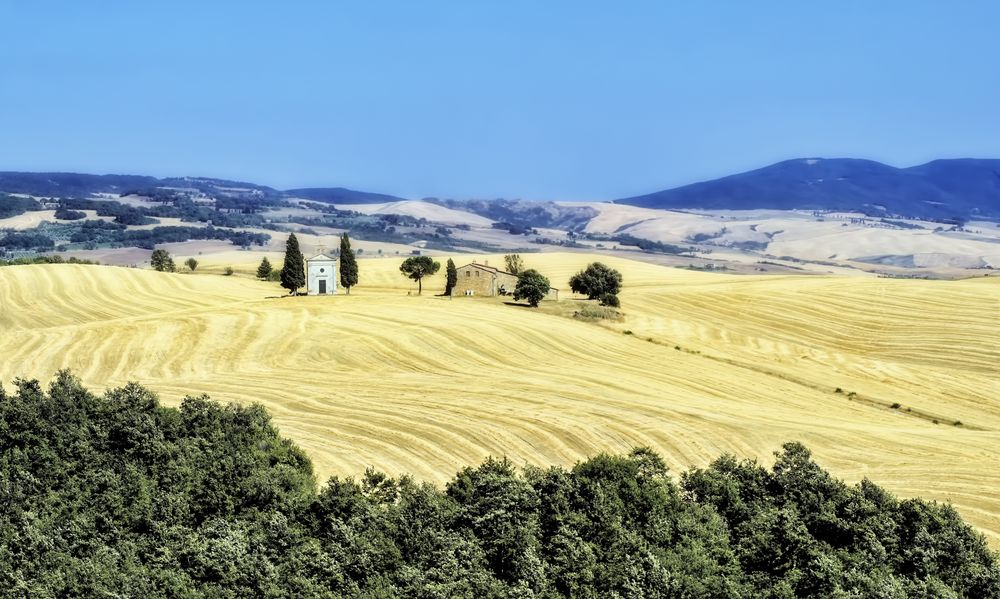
(293, 273)
(264, 270)
(348, 264)
(451, 277)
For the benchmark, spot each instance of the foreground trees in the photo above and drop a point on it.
(293, 272)
(112, 493)
(418, 267)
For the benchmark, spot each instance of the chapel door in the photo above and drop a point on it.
(322, 286)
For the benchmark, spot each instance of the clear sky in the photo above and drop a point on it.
(530, 99)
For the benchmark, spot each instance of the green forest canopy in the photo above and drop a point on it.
(116, 495)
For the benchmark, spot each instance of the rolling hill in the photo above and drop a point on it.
(64, 185)
(872, 374)
(943, 189)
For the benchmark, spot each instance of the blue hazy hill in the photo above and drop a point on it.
(943, 189)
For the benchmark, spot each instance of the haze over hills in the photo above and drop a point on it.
(941, 189)
(83, 185)
(946, 189)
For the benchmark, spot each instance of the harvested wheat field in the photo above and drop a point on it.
(872, 374)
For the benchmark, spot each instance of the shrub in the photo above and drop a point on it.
(592, 312)
(67, 214)
(161, 261)
(609, 299)
(228, 271)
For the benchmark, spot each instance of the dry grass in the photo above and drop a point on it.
(428, 384)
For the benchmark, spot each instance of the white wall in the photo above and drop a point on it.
(313, 275)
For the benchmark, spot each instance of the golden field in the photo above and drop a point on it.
(714, 363)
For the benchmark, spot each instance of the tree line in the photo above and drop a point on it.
(117, 495)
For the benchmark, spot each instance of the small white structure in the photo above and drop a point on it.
(321, 275)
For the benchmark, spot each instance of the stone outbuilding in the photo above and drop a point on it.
(321, 275)
(483, 279)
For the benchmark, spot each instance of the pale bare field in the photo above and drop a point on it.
(804, 236)
(428, 384)
(419, 209)
(28, 220)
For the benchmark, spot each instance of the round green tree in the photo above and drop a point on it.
(532, 287)
(160, 260)
(418, 267)
(596, 281)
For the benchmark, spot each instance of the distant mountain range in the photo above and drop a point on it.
(77, 185)
(941, 190)
(958, 189)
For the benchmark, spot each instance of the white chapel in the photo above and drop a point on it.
(321, 275)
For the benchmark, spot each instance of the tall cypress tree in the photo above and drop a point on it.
(293, 273)
(451, 277)
(348, 264)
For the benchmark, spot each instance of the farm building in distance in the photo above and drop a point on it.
(321, 275)
(483, 279)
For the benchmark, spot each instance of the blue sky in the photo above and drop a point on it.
(541, 100)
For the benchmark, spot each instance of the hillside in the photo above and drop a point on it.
(67, 185)
(714, 363)
(943, 189)
(340, 195)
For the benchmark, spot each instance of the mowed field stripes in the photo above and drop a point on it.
(425, 385)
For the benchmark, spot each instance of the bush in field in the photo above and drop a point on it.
(161, 261)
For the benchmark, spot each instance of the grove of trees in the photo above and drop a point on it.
(117, 495)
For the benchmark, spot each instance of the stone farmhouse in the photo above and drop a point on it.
(483, 279)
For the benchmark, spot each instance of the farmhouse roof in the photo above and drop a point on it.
(488, 268)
